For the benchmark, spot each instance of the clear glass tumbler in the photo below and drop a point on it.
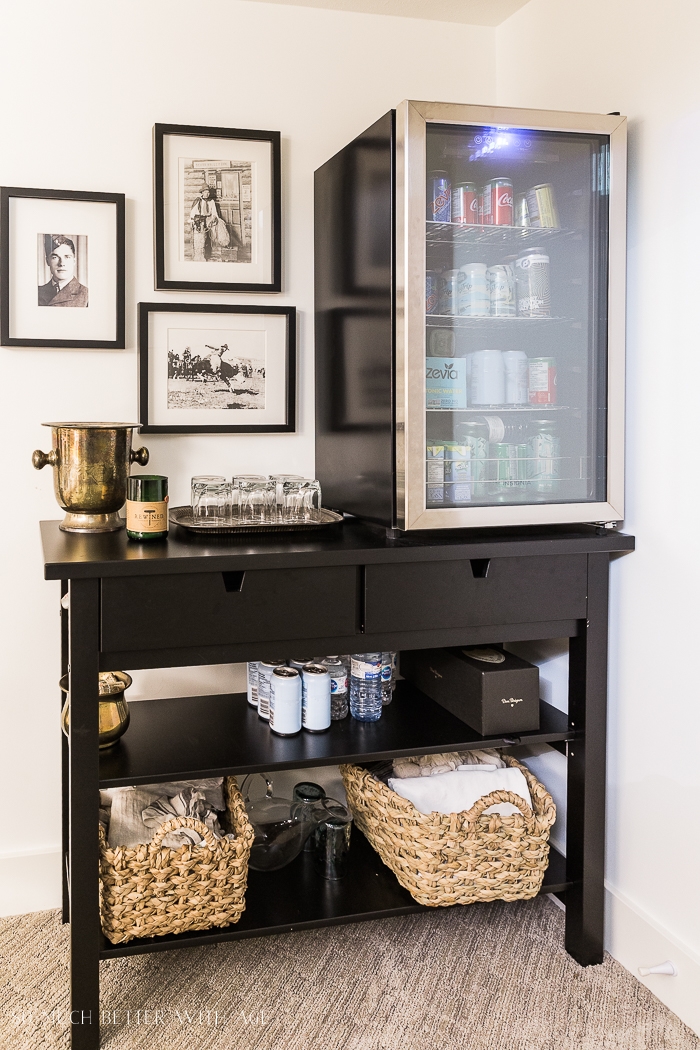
(302, 500)
(256, 501)
(279, 480)
(312, 499)
(211, 500)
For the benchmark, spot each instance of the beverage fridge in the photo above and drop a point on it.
(470, 316)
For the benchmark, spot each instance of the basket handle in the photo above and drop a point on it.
(183, 822)
(498, 796)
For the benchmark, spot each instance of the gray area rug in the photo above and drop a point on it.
(485, 977)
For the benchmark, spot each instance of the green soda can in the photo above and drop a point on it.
(458, 474)
(147, 507)
(475, 436)
(509, 464)
(544, 457)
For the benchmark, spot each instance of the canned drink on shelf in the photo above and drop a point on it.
(509, 467)
(521, 212)
(450, 291)
(445, 383)
(487, 378)
(432, 291)
(532, 283)
(265, 669)
(544, 457)
(501, 285)
(435, 474)
(515, 365)
(498, 203)
(542, 381)
(253, 683)
(316, 698)
(542, 207)
(473, 292)
(475, 436)
(439, 197)
(285, 701)
(441, 342)
(465, 203)
(458, 474)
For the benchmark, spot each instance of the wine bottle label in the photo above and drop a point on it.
(147, 517)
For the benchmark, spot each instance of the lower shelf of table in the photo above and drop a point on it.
(296, 898)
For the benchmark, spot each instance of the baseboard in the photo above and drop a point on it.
(635, 939)
(30, 881)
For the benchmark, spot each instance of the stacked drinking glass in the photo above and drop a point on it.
(255, 499)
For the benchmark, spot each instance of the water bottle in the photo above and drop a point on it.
(387, 677)
(338, 671)
(366, 686)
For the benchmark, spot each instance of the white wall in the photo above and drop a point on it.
(641, 59)
(81, 87)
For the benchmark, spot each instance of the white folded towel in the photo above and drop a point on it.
(458, 790)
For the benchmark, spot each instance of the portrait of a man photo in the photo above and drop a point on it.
(64, 288)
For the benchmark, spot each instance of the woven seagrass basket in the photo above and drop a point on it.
(150, 890)
(456, 858)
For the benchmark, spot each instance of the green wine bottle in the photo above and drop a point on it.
(147, 507)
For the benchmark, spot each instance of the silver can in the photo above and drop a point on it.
(299, 662)
(515, 366)
(532, 283)
(544, 457)
(265, 669)
(542, 207)
(252, 669)
(450, 290)
(285, 701)
(316, 698)
(500, 280)
(521, 212)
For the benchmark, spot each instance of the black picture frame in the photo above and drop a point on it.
(148, 427)
(273, 137)
(7, 193)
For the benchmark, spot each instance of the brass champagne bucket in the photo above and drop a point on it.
(114, 710)
(90, 466)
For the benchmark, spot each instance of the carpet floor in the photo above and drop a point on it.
(486, 977)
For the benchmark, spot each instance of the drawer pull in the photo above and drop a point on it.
(480, 567)
(233, 581)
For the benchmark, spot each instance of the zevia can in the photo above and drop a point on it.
(439, 197)
(285, 701)
(316, 698)
(532, 283)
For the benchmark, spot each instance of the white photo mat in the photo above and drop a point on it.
(96, 220)
(178, 152)
(258, 335)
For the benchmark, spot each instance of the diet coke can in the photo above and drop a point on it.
(465, 204)
(498, 203)
(439, 197)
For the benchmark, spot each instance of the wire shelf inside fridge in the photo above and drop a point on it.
(478, 410)
(518, 236)
(494, 324)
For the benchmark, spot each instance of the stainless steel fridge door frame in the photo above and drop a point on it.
(411, 121)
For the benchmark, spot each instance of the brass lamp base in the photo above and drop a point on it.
(83, 521)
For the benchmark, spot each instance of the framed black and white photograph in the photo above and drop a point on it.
(61, 269)
(217, 209)
(217, 369)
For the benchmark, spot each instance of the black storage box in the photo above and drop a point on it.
(496, 693)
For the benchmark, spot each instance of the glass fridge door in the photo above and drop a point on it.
(516, 319)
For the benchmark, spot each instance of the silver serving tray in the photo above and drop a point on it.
(182, 516)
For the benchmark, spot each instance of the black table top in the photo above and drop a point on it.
(71, 556)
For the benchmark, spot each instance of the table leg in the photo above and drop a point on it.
(585, 840)
(83, 763)
(65, 898)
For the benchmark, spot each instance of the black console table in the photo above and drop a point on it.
(352, 589)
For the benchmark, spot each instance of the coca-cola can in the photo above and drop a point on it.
(439, 197)
(465, 204)
(432, 291)
(498, 203)
(542, 381)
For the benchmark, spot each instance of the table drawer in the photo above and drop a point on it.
(430, 595)
(215, 608)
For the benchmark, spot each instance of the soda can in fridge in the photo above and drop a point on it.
(487, 378)
(521, 212)
(439, 197)
(451, 291)
(542, 381)
(509, 468)
(544, 457)
(458, 474)
(542, 207)
(501, 285)
(515, 366)
(475, 435)
(435, 474)
(498, 203)
(532, 283)
(432, 291)
(465, 204)
(474, 292)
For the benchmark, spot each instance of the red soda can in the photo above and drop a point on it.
(498, 203)
(542, 381)
(465, 204)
